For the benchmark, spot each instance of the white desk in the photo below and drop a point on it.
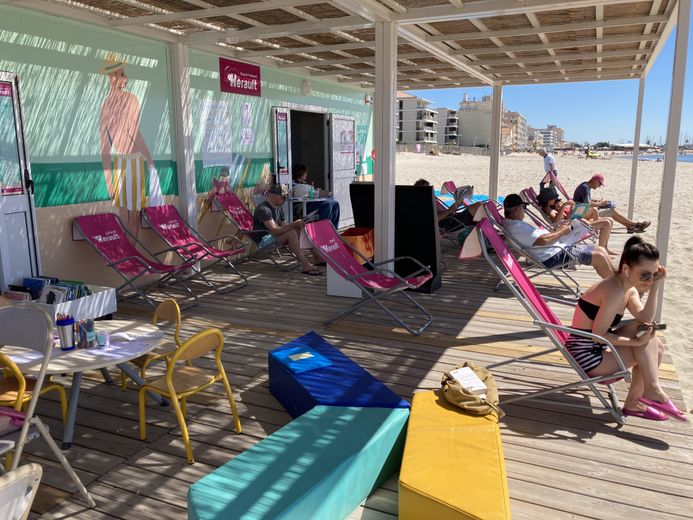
(145, 338)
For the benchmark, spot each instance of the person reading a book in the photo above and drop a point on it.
(452, 216)
(600, 311)
(547, 246)
(269, 229)
(606, 208)
(558, 211)
(327, 209)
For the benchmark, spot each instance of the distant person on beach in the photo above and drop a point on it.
(549, 167)
(452, 216)
(546, 245)
(606, 208)
(558, 211)
(600, 311)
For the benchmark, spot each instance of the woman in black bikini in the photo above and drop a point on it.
(600, 310)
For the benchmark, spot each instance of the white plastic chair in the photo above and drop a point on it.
(30, 327)
(18, 490)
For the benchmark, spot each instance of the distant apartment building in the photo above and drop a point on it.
(448, 127)
(416, 121)
(475, 121)
(548, 138)
(534, 138)
(558, 135)
(518, 123)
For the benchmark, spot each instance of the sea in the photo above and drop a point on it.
(658, 157)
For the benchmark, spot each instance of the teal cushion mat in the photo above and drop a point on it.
(320, 465)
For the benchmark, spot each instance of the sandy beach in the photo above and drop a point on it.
(518, 171)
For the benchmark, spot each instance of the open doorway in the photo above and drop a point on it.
(309, 146)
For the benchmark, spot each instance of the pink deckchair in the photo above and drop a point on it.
(375, 281)
(109, 238)
(558, 271)
(554, 180)
(546, 320)
(234, 210)
(166, 222)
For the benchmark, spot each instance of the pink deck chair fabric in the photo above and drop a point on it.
(523, 282)
(234, 206)
(323, 235)
(559, 186)
(449, 187)
(105, 232)
(170, 226)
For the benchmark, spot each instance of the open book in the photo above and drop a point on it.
(579, 232)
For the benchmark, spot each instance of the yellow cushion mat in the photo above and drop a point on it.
(453, 464)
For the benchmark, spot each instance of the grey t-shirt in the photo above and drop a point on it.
(264, 212)
(583, 193)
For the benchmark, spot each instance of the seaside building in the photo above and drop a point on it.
(547, 138)
(416, 121)
(448, 127)
(475, 121)
(518, 123)
(558, 135)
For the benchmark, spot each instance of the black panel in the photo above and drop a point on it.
(416, 226)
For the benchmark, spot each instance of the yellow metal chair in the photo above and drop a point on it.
(16, 390)
(181, 382)
(167, 312)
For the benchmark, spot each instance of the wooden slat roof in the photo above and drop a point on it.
(442, 43)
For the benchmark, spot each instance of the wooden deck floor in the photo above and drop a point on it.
(562, 461)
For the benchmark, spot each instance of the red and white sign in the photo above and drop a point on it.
(239, 78)
(6, 89)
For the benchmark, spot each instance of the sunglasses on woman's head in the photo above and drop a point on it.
(646, 276)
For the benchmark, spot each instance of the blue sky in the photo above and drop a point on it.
(594, 111)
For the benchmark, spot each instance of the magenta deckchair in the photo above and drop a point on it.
(554, 180)
(558, 271)
(525, 291)
(375, 281)
(109, 238)
(166, 222)
(234, 210)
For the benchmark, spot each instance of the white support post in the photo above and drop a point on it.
(384, 132)
(183, 131)
(672, 142)
(496, 104)
(636, 149)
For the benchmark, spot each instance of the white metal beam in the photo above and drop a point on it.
(322, 62)
(276, 31)
(496, 110)
(671, 151)
(565, 57)
(384, 137)
(528, 80)
(371, 70)
(308, 49)
(209, 12)
(488, 8)
(417, 38)
(183, 133)
(526, 31)
(636, 148)
(663, 37)
(586, 42)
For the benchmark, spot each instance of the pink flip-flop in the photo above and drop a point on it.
(668, 408)
(649, 413)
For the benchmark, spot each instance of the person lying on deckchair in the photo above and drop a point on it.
(600, 310)
(537, 240)
(267, 218)
(606, 208)
(559, 211)
(452, 216)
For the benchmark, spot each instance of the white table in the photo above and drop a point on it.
(304, 202)
(144, 339)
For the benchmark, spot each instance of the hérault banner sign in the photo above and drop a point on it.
(239, 78)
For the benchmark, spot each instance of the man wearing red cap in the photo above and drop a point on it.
(607, 208)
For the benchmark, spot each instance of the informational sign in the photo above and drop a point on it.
(282, 143)
(217, 141)
(10, 165)
(239, 78)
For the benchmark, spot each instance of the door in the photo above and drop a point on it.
(18, 251)
(343, 163)
(281, 144)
